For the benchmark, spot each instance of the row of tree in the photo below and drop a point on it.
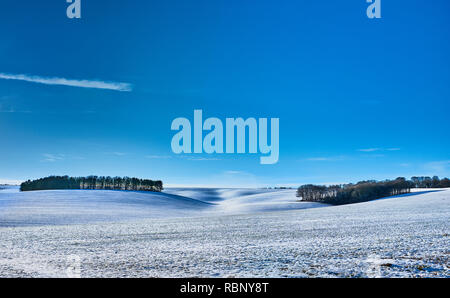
(366, 190)
(92, 182)
(428, 182)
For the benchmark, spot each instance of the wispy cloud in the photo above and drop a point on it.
(116, 153)
(378, 149)
(158, 156)
(197, 158)
(68, 82)
(203, 158)
(233, 172)
(185, 157)
(53, 157)
(329, 158)
(370, 149)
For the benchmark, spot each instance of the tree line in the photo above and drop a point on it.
(364, 191)
(428, 182)
(92, 182)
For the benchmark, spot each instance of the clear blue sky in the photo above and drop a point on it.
(357, 98)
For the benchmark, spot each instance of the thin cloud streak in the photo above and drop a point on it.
(370, 149)
(378, 149)
(158, 156)
(332, 158)
(53, 157)
(117, 153)
(68, 82)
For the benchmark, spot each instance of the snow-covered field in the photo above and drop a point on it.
(220, 233)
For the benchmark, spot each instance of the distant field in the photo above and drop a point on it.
(221, 233)
(52, 207)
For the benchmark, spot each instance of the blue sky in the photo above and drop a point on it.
(357, 98)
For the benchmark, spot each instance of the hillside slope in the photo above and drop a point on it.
(406, 236)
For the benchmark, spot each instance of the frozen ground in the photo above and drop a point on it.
(89, 206)
(220, 233)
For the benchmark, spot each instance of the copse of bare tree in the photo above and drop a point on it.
(353, 193)
(366, 190)
(428, 182)
(92, 182)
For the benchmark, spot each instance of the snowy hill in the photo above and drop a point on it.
(85, 206)
(405, 236)
(229, 200)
